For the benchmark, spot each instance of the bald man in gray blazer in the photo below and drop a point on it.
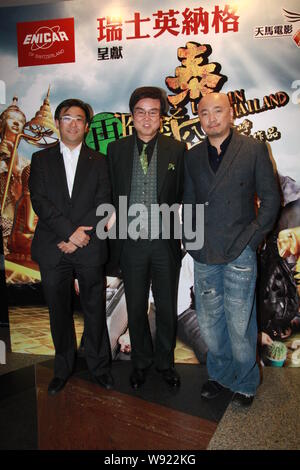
(225, 173)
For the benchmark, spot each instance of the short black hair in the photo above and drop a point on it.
(148, 92)
(66, 104)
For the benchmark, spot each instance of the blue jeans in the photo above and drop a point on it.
(226, 310)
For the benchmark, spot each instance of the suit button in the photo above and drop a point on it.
(206, 203)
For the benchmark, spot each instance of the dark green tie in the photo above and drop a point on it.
(144, 159)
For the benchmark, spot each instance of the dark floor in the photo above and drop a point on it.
(18, 405)
(18, 410)
(272, 422)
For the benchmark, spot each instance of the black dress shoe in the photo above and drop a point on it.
(56, 385)
(105, 380)
(242, 401)
(211, 389)
(170, 376)
(137, 378)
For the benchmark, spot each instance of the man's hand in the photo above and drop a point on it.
(79, 237)
(67, 248)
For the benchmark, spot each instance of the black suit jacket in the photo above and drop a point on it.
(59, 215)
(170, 174)
(230, 220)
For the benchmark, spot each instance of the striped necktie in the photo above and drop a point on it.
(144, 159)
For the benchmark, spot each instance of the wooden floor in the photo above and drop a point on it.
(85, 416)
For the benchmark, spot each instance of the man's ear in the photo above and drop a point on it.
(57, 124)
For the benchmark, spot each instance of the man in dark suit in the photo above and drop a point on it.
(147, 169)
(67, 183)
(224, 173)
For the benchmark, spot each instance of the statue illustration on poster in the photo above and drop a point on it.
(18, 219)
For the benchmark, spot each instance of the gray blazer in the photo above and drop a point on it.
(230, 219)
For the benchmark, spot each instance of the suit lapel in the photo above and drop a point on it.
(59, 170)
(125, 161)
(163, 160)
(82, 170)
(230, 155)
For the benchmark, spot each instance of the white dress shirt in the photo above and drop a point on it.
(70, 161)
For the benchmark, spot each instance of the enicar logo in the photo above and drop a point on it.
(46, 42)
(44, 37)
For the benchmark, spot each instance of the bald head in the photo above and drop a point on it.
(211, 98)
(216, 116)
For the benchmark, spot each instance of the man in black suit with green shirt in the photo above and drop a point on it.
(147, 169)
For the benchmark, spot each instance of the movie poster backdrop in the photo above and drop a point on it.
(101, 53)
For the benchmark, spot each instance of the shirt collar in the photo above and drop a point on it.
(150, 144)
(66, 151)
(224, 144)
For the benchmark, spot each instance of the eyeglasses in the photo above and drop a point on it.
(141, 113)
(69, 119)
